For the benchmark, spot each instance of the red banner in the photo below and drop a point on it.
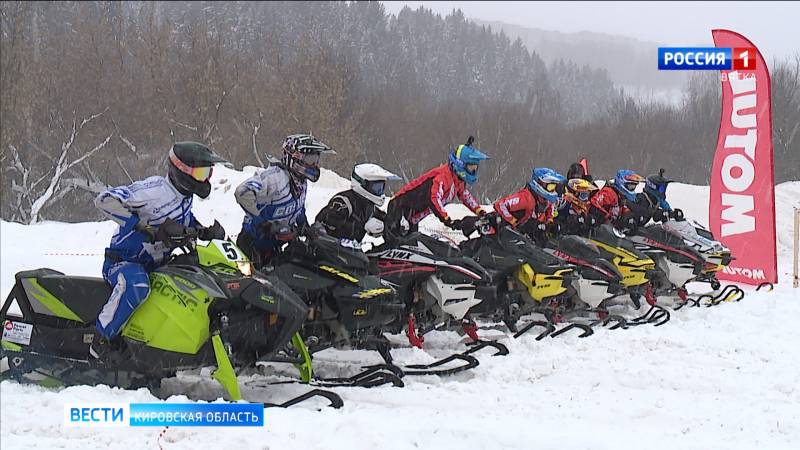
(742, 202)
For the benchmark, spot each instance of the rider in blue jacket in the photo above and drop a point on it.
(274, 198)
(152, 215)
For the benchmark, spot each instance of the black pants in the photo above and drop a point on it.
(247, 244)
(392, 227)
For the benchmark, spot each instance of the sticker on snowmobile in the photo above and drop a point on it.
(350, 243)
(397, 254)
(17, 332)
(373, 293)
(336, 271)
(229, 250)
(167, 290)
(360, 312)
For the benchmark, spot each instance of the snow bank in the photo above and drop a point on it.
(725, 377)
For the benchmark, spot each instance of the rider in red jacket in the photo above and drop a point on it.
(429, 193)
(537, 201)
(609, 204)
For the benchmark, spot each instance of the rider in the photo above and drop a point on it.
(537, 201)
(153, 216)
(652, 202)
(611, 203)
(573, 215)
(274, 199)
(429, 193)
(354, 213)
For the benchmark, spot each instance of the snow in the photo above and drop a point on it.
(724, 377)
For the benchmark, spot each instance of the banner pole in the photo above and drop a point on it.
(796, 246)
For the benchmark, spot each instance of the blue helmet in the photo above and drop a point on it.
(547, 183)
(626, 181)
(464, 161)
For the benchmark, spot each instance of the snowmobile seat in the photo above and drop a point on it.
(85, 296)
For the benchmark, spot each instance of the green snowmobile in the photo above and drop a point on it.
(207, 307)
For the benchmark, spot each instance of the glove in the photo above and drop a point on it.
(628, 221)
(676, 214)
(283, 233)
(213, 232)
(374, 227)
(660, 216)
(171, 233)
(554, 228)
(454, 224)
(147, 230)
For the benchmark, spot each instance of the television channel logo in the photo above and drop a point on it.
(706, 58)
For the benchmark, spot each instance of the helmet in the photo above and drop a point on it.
(368, 180)
(301, 154)
(656, 186)
(576, 171)
(190, 167)
(580, 189)
(546, 183)
(464, 161)
(626, 182)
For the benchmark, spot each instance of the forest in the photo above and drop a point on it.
(93, 94)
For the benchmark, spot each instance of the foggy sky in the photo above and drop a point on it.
(772, 26)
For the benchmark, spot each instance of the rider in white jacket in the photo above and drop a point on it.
(274, 198)
(151, 214)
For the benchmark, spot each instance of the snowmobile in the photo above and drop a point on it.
(637, 270)
(599, 279)
(439, 286)
(679, 262)
(715, 257)
(527, 279)
(348, 306)
(714, 253)
(206, 307)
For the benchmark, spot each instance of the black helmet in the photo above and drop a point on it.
(301, 155)
(656, 186)
(576, 170)
(190, 167)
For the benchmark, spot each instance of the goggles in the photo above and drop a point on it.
(376, 187)
(550, 187)
(471, 168)
(582, 196)
(201, 174)
(631, 185)
(309, 159)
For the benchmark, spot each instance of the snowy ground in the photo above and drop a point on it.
(725, 377)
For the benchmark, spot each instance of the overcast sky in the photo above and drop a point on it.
(774, 27)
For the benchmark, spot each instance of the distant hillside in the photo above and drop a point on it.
(631, 63)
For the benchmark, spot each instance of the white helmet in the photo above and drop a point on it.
(369, 180)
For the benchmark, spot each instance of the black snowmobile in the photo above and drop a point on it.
(439, 286)
(527, 279)
(349, 306)
(207, 307)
